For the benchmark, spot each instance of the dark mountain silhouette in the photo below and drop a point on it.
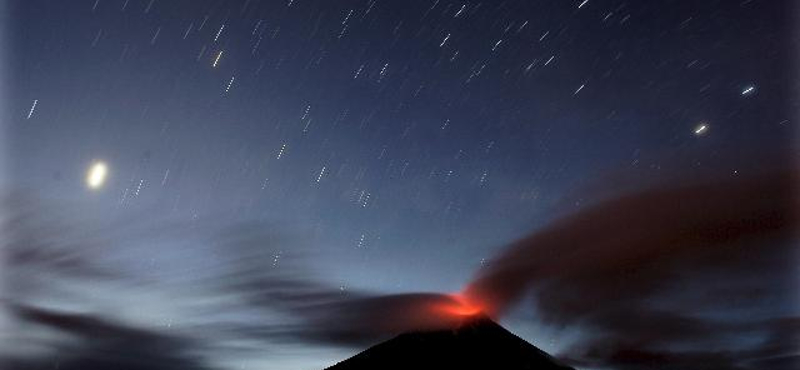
(476, 343)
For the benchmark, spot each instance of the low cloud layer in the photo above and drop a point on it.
(694, 275)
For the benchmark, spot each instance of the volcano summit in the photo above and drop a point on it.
(476, 343)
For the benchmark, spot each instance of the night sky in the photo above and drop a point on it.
(267, 158)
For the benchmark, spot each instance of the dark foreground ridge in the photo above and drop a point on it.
(478, 343)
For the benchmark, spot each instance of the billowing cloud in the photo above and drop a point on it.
(670, 277)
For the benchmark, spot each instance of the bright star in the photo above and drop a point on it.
(701, 129)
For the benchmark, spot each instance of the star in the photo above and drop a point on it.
(701, 129)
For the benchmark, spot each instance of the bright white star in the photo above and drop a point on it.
(701, 129)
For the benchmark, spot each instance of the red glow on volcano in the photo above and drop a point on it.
(459, 306)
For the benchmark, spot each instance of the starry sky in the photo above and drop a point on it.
(345, 149)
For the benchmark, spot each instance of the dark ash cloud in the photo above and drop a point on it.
(673, 277)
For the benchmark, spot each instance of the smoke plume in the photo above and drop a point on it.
(672, 277)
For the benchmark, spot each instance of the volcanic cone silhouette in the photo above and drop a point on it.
(476, 343)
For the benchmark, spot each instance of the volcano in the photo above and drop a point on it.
(476, 343)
